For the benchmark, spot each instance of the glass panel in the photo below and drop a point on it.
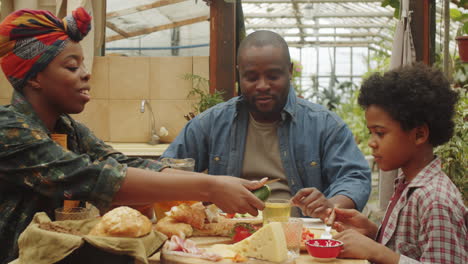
(343, 61)
(325, 59)
(309, 60)
(359, 61)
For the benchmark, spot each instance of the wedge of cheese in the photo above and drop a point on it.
(225, 251)
(268, 243)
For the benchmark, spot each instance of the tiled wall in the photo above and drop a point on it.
(119, 84)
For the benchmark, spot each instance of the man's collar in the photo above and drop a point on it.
(288, 109)
(291, 103)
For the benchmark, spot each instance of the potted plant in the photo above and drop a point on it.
(453, 153)
(200, 90)
(296, 78)
(462, 32)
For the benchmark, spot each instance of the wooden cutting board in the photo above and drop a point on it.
(305, 258)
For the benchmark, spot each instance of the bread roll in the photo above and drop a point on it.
(122, 221)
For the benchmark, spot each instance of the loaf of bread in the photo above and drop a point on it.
(122, 221)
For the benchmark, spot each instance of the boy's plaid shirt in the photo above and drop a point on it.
(428, 223)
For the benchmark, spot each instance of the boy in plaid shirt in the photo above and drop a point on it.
(409, 112)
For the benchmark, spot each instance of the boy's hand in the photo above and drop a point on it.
(356, 245)
(346, 219)
(312, 203)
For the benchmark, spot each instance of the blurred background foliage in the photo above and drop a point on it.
(342, 99)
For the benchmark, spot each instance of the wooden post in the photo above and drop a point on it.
(423, 29)
(223, 48)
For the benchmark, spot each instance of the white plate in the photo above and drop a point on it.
(313, 223)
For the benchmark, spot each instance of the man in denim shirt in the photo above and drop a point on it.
(269, 132)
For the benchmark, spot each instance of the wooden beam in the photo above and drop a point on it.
(159, 28)
(342, 35)
(324, 15)
(339, 35)
(223, 48)
(306, 1)
(298, 18)
(115, 28)
(272, 25)
(137, 9)
(331, 43)
(423, 29)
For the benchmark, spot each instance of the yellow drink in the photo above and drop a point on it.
(277, 209)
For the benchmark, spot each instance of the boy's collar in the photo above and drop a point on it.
(424, 176)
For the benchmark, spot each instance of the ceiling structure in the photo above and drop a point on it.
(324, 23)
(300, 22)
(303, 23)
(322, 34)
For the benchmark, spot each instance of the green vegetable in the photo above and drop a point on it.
(262, 193)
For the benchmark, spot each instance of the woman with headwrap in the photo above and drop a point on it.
(41, 57)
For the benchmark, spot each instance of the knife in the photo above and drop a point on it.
(272, 181)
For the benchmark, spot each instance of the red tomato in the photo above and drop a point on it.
(306, 234)
(240, 235)
(230, 215)
(242, 231)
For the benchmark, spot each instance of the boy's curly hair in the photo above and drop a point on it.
(414, 95)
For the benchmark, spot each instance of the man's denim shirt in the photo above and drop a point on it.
(316, 147)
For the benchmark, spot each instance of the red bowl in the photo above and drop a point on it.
(324, 248)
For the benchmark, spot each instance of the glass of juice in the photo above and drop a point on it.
(292, 228)
(279, 209)
(72, 213)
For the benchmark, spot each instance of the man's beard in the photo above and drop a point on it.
(277, 106)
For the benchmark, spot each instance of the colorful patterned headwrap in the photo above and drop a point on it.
(31, 39)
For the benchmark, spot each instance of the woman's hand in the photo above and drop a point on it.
(232, 195)
(346, 219)
(312, 203)
(358, 246)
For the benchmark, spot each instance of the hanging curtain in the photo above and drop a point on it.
(403, 53)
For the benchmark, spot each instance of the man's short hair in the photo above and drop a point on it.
(263, 38)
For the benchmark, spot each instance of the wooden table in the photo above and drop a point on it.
(303, 259)
(315, 225)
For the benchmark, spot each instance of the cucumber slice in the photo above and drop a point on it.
(262, 193)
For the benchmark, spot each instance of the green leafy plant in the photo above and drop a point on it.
(460, 73)
(200, 90)
(350, 111)
(454, 154)
(296, 78)
(354, 116)
(393, 3)
(457, 15)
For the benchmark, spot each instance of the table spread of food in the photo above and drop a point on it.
(203, 234)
